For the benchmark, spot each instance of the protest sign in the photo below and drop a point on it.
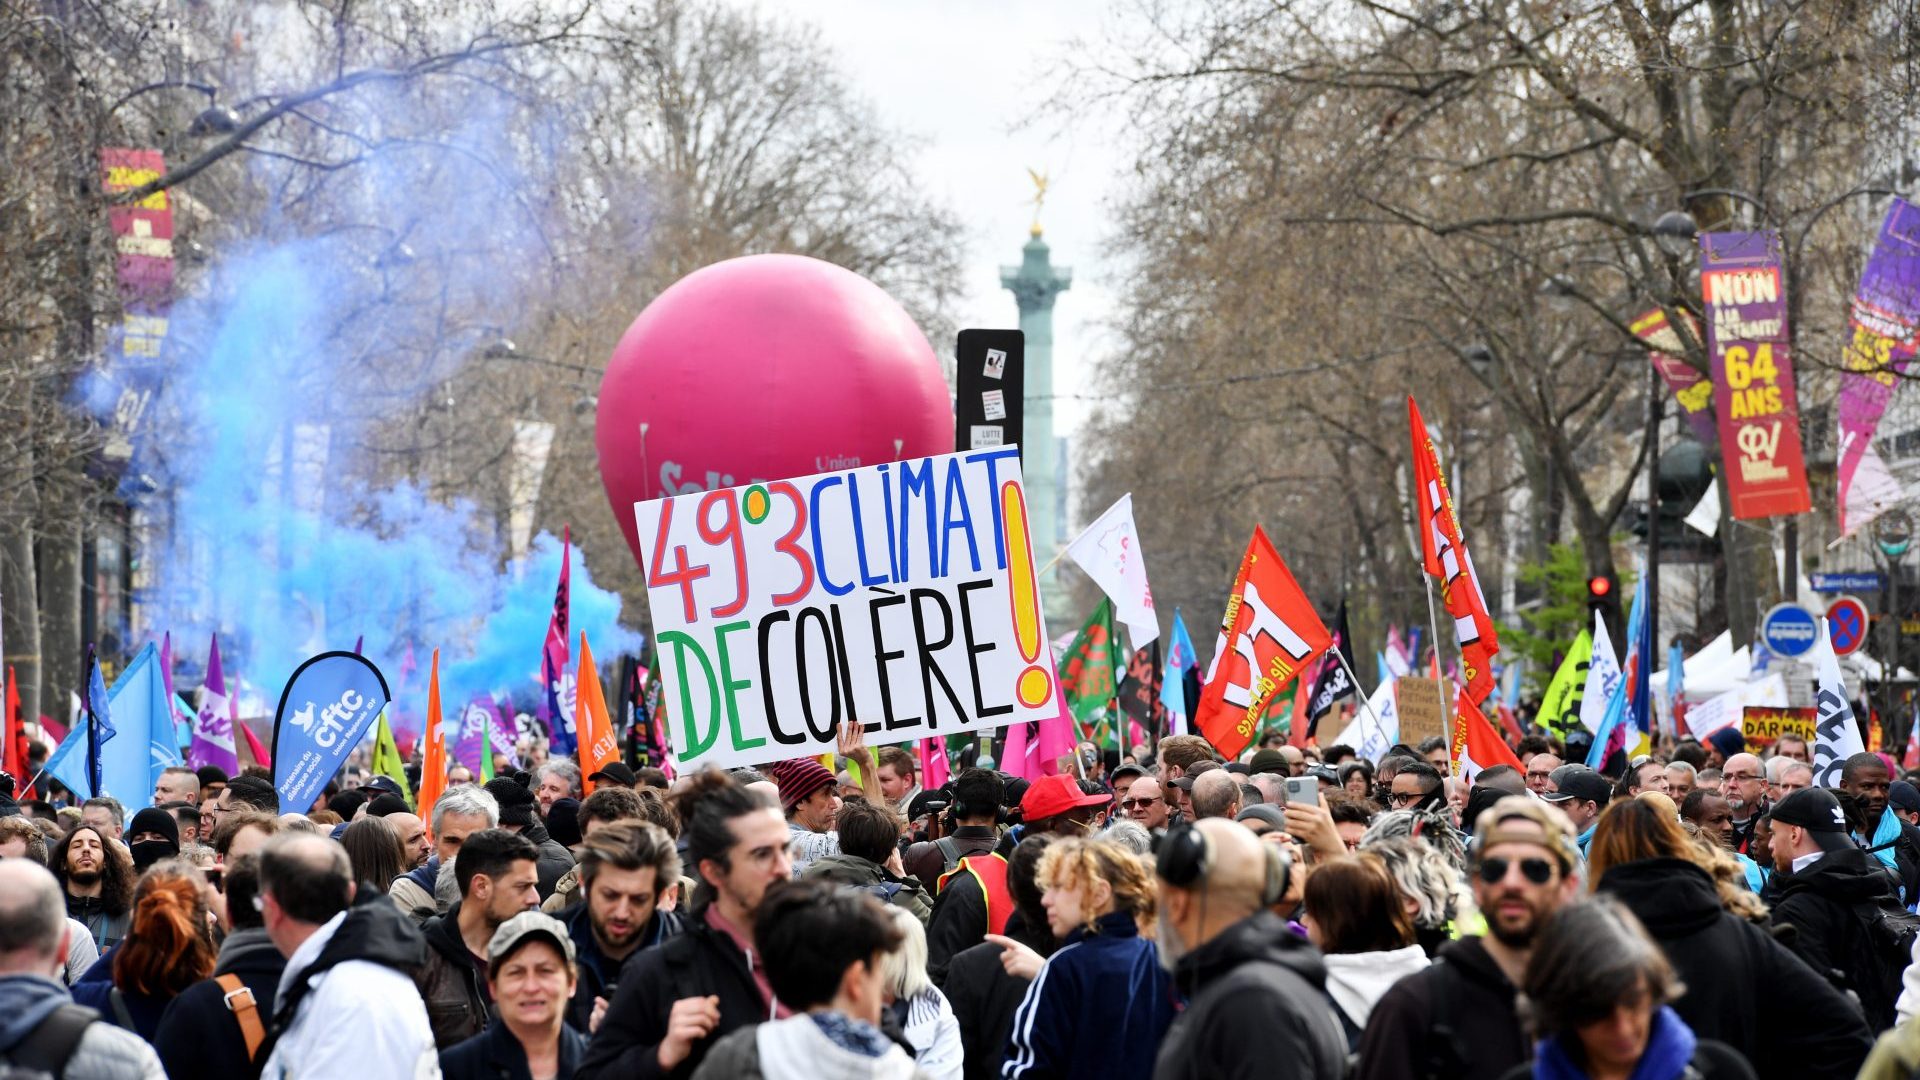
(1422, 715)
(1883, 317)
(1703, 718)
(901, 595)
(1763, 725)
(1742, 284)
(324, 712)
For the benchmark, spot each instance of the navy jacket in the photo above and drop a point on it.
(1099, 1007)
(199, 1035)
(495, 1054)
(599, 974)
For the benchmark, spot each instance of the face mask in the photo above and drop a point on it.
(148, 852)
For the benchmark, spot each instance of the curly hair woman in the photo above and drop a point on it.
(1100, 1005)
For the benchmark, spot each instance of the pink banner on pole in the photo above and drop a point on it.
(1882, 318)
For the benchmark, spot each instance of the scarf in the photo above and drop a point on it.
(1884, 837)
(1670, 1046)
(852, 1035)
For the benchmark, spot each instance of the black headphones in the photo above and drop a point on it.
(1186, 857)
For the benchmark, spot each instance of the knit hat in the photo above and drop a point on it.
(1269, 761)
(563, 822)
(154, 819)
(797, 778)
(1728, 741)
(516, 802)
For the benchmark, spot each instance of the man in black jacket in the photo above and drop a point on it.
(1457, 1017)
(976, 809)
(495, 871)
(1255, 991)
(983, 993)
(1743, 988)
(517, 815)
(1831, 897)
(623, 869)
(1867, 779)
(206, 1031)
(678, 998)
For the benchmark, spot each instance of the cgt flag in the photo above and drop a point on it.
(1268, 635)
(1444, 551)
(324, 712)
(554, 676)
(1476, 745)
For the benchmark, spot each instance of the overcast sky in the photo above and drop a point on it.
(962, 76)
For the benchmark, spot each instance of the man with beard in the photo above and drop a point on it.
(413, 838)
(97, 876)
(1458, 1017)
(1255, 991)
(624, 868)
(1744, 782)
(498, 877)
(1887, 838)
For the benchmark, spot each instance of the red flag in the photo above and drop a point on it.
(260, 755)
(1476, 745)
(1268, 634)
(16, 749)
(1445, 555)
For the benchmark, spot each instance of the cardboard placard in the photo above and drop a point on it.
(1422, 715)
(1763, 726)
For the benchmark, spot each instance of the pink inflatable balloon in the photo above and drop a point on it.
(762, 368)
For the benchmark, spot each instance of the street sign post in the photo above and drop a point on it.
(1847, 623)
(1847, 582)
(1789, 630)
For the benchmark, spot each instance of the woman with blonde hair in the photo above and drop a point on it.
(1741, 986)
(1100, 1005)
(925, 1017)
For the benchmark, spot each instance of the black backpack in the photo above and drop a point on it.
(1891, 930)
(43, 1055)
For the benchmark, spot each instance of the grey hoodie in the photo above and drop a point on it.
(105, 1052)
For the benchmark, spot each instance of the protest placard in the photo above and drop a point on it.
(901, 595)
(1422, 712)
(1763, 725)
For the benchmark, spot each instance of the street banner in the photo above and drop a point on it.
(1560, 707)
(598, 747)
(143, 270)
(1109, 552)
(433, 753)
(1836, 734)
(1422, 716)
(1173, 690)
(1743, 286)
(1882, 319)
(1691, 389)
(1603, 674)
(1444, 551)
(324, 712)
(554, 676)
(902, 594)
(1268, 634)
(1763, 725)
(1475, 745)
(214, 720)
(1370, 739)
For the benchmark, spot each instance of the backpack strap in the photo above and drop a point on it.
(949, 852)
(246, 1012)
(53, 1043)
(121, 1016)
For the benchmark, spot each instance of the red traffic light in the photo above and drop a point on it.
(1599, 587)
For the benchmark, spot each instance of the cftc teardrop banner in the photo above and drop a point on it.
(1744, 290)
(326, 709)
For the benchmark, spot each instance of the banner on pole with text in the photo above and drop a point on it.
(902, 595)
(1743, 286)
(1691, 389)
(324, 712)
(1880, 344)
(1268, 635)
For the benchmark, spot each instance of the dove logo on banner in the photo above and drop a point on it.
(326, 709)
(1109, 551)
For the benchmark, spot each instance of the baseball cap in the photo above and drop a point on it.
(616, 772)
(1268, 761)
(1495, 826)
(383, 782)
(1184, 783)
(1129, 769)
(1817, 811)
(1051, 796)
(1903, 796)
(798, 778)
(1579, 782)
(528, 924)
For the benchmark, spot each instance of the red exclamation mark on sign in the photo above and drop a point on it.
(1035, 686)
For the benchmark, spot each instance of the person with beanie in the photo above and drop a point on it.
(1723, 744)
(517, 815)
(811, 800)
(563, 823)
(154, 835)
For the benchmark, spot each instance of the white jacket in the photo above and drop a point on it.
(359, 1021)
(935, 1034)
(1358, 980)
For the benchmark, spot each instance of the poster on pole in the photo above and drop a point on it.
(1691, 389)
(903, 596)
(1743, 286)
(1423, 713)
(1882, 320)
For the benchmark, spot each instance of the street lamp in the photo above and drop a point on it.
(1674, 231)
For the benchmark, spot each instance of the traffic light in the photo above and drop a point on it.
(1599, 589)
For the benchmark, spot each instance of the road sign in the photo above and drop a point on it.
(1857, 581)
(1847, 622)
(1789, 630)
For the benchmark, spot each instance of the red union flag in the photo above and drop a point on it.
(1445, 554)
(1269, 634)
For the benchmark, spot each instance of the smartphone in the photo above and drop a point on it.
(1303, 789)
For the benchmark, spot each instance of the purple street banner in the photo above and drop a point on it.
(1882, 320)
(324, 712)
(144, 271)
(1743, 286)
(1691, 389)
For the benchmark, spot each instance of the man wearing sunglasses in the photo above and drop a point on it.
(1457, 1017)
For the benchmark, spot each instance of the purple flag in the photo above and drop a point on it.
(213, 724)
(1883, 317)
(476, 724)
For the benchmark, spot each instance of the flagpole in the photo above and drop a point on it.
(1433, 625)
(1366, 702)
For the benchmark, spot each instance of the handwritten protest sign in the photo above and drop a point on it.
(901, 595)
(1763, 726)
(1422, 713)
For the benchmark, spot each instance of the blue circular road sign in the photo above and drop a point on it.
(1789, 630)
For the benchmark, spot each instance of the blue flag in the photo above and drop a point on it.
(1626, 717)
(1173, 685)
(326, 709)
(1676, 674)
(92, 761)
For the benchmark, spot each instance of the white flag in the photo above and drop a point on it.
(1368, 739)
(1835, 735)
(1109, 551)
(1603, 674)
(1705, 515)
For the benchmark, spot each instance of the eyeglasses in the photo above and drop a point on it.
(1137, 804)
(1494, 870)
(1403, 798)
(1739, 777)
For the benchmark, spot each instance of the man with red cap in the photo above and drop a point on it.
(973, 900)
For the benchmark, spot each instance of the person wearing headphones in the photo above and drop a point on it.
(1237, 965)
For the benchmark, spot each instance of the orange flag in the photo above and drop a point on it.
(1269, 633)
(1445, 553)
(433, 755)
(590, 720)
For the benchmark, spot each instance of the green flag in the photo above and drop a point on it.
(1089, 669)
(386, 757)
(1560, 709)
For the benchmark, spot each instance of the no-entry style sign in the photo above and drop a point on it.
(1847, 623)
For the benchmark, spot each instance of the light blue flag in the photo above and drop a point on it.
(131, 762)
(1173, 680)
(1676, 674)
(1385, 672)
(1613, 732)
